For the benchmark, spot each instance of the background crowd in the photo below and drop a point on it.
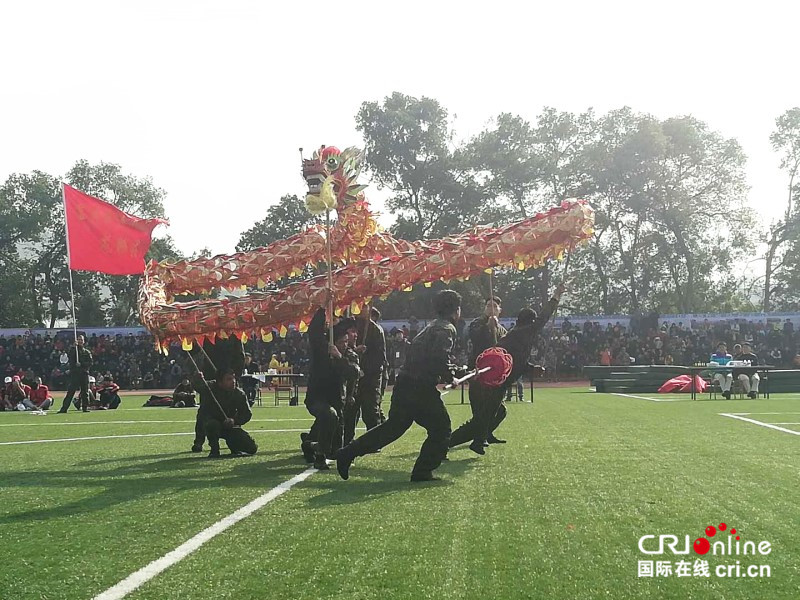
(133, 363)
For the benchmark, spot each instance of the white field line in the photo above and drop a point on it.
(765, 413)
(145, 574)
(40, 423)
(651, 399)
(768, 425)
(796, 423)
(137, 435)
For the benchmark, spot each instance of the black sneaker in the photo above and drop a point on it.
(426, 476)
(306, 449)
(726, 395)
(320, 463)
(61, 412)
(477, 448)
(343, 462)
(196, 448)
(752, 395)
(214, 453)
(494, 440)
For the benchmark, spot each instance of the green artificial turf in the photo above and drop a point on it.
(555, 513)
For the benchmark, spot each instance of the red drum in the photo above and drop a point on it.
(499, 361)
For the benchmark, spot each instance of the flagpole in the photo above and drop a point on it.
(69, 270)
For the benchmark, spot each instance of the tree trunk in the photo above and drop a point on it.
(772, 249)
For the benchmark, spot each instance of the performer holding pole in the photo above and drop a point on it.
(483, 333)
(518, 343)
(225, 417)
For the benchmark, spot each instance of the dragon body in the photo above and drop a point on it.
(371, 262)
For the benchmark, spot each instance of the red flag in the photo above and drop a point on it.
(100, 237)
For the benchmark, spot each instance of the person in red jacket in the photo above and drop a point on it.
(40, 395)
(19, 393)
(108, 393)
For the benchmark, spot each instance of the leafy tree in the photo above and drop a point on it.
(407, 143)
(284, 219)
(786, 141)
(671, 217)
(504, 161)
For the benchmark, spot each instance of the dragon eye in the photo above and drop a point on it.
(332, 162)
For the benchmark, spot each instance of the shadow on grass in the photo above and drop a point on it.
(367, 483)
(145, 478)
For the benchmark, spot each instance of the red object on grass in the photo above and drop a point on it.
(500, 363)
(102, 238)
(683, 383)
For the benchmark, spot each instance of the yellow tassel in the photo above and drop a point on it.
(283, 331)
(355, 308)
(303, 327)
(408, 289)
(266, 337)
(223, 335)
(521, 266)
(244, 337)
(337, 312)
(427, 284)
(261, 284)
(186, 344)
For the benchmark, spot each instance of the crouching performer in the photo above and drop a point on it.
(415, 397)
(223, 410)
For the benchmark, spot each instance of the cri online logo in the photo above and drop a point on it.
(703, 545)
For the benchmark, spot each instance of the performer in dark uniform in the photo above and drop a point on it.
(226, 423)
(212, 357)
(415, 397)
(518, 342)
(80, 361)
(332, 368)
(484, 332)
(372, 352)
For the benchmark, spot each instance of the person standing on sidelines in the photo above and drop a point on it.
(80, 361)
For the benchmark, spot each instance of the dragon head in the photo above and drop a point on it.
(331, 177)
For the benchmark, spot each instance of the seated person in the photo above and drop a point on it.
(520, 391)
(724, 378)
(184, 395)
(40, 395)
(274, 363)
(250, 366)
(5, 395)
(108, 393)
(92, 393)
(776, 355)
(748, 377)
(249, 383)
(18, 395)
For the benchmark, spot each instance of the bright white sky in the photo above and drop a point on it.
(213, 99)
